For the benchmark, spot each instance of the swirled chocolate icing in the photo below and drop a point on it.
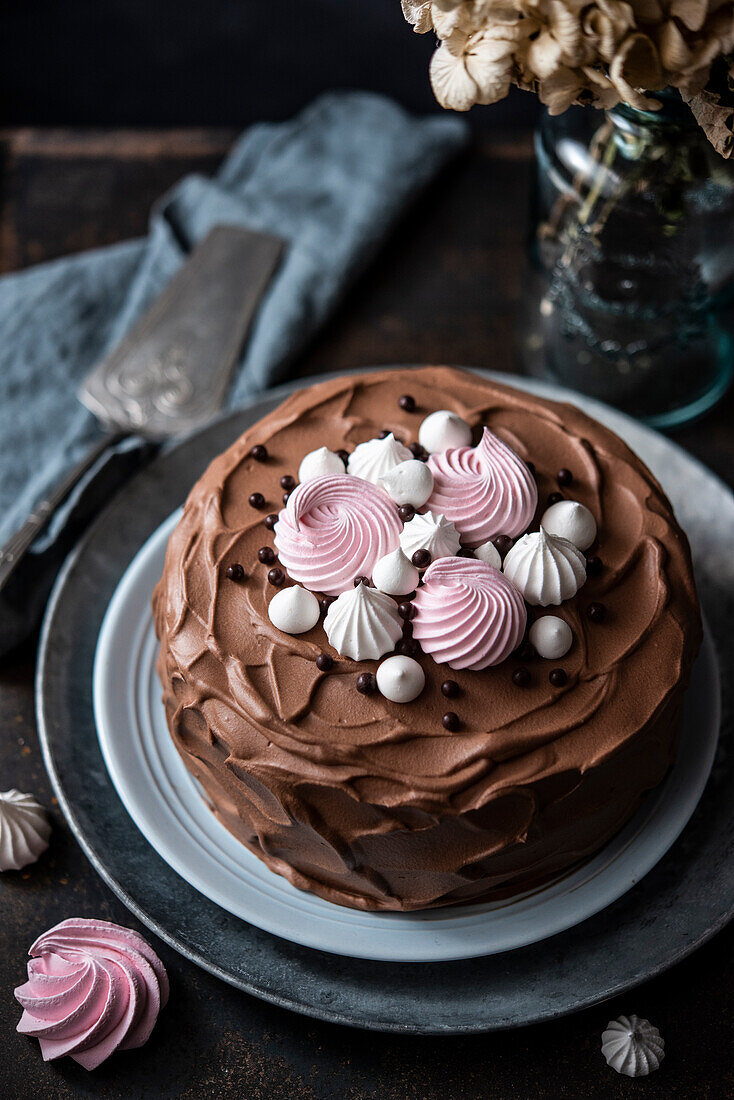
(375, 804)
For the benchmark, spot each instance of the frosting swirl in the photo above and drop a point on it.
(93, 988)
(467, 614)
(485, 490)
(334, 529)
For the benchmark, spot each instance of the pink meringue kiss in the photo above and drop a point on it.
(468, 615)
(93, 988)
(334, 529)
(485, 490)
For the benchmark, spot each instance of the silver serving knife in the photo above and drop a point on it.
(171, 372)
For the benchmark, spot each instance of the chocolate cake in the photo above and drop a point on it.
(538, 690)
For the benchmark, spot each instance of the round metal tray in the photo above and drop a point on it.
(683, 901)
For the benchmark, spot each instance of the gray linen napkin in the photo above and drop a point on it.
(330, 182)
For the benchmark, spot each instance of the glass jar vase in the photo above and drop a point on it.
(630, 278)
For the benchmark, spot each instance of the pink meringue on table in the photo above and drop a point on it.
(93, 988)
(334, 529)
(485, 490)
(468, 615)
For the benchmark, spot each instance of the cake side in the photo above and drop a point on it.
(374, 804)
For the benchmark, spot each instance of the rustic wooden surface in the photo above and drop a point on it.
(445, 288)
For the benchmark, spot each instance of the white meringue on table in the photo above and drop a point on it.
(551, 637)
(632, 1046)
(363, 623)
(544, 568)
(570, 520)
(443, 429)
(400, 679)
(434, 533)
(375, 458)
(319, 463)
(411, 482)
(489, 554)
(294, 610)
(395, 575)
(24, 830)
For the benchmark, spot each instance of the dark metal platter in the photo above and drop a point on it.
(680, 904)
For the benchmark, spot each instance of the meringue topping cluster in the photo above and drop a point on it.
(429, 524)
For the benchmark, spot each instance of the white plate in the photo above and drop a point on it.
(168, 807)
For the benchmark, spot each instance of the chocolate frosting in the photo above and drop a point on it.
(375, 804)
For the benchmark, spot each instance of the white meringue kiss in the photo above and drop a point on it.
(395, 575)
(294, 610)
(363, 624)
(411, 482)
(545, 569)
(489, 554)
(632, 1046)
(551, 637)
(375, 458)
(319, 463)
(570, 520)
(430, 532)
(443, 429)
(24, 830)
(400, 679)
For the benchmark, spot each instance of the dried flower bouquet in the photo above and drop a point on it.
(571, 51)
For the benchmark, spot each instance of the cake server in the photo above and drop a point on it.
(171, 371)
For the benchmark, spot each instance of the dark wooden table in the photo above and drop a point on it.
(445, 288)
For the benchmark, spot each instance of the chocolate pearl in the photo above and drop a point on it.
(259, 453)
(407, 403)
(407, 628)
(421, 559)
(408, 647)
(450, 689)
(366, 683)
(271, 520)
(287, 482)
(418, 452)
(553, 498)
(564, 476)
(406, 512)
(285, 497)
(521, 677)
(596, 612)
(361, 580)
(558, 677)
(451, 721)
(235, 572)
(406, 610)
(266, 555)
(525, 651)
(325, 603)
(502, 544)
(276, 577)
(324, 662)
(593, 566)
(343, 455)
(256, 500)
